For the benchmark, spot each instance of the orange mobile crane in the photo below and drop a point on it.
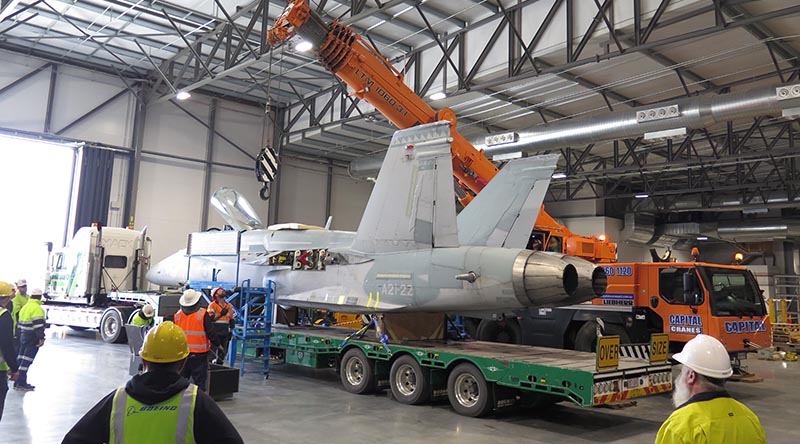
(722, 301)
(373, 79)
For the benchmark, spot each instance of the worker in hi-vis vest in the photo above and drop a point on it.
(158, 405)
(199, 326)
(8, 355)
(31, 336)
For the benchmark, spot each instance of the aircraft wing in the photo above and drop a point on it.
(504, 212)
(412, 205)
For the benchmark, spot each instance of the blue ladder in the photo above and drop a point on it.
(253, 323)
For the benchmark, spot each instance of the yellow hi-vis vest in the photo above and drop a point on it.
(715, 418)
(3, 366)
(168, 422)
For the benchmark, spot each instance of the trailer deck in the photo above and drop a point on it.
(563, 374)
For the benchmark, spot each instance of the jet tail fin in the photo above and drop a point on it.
(412, 205)
(504, 212)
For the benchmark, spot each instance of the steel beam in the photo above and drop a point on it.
(206, 193)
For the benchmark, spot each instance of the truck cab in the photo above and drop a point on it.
(682, 299)
(96, 262)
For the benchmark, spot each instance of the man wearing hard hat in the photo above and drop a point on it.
(31, 337)
(199, 326)
(144, 317)
(8, 356)
(705, 412)
(159, 405)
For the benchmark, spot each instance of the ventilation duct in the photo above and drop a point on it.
(689, 113)
(727, 203)
(639, 229)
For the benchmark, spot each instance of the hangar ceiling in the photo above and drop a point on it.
(627, 54)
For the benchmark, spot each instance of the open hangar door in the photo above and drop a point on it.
(35, 200)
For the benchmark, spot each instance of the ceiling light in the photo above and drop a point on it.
(182, 95)
(559, 176)
(702, 238)
(437, 96)
(303, 46)
(641, 196)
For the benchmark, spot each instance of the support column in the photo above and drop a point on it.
(212, 123)
(277, 118)
(51, 93)
(329, 189)
(135, 159)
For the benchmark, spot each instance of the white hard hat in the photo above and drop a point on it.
(21, 283)
(148, 311)
(189, 298)
(36, 292)
(706, 356)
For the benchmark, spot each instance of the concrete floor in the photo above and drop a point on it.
(74, 370)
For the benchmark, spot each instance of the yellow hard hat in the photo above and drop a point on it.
(164, 344)
(6, 289)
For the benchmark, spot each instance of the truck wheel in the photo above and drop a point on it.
(469, 393)
(410, 382)
(586, 339)
(112, 329)
(356, 372)
(506, 331)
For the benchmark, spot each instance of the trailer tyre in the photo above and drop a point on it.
(469, 393)
(410, 382)
(586, 339)
(112, 328)
(357, 372)
(506, 331)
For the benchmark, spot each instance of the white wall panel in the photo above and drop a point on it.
(241, 124)
(348, 200)
(169, 130)
(169, 202)
(302, 192)
(23, 106)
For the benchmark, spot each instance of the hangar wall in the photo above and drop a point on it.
(40, 99)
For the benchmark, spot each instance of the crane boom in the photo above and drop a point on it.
(373, 79)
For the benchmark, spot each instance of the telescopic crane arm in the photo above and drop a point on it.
(373, 79)
(344, 53)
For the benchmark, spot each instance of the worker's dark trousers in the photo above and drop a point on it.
(3, 391)
(196, 368)
(27, 351)
(222, 337)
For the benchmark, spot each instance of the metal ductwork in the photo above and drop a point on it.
(688, 113)
(758, 230)
(727, 203)
(640, 229)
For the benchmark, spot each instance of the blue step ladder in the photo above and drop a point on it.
(253, 324)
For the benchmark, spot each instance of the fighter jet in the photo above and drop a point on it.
(411, 252)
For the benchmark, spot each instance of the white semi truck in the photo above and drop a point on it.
(97, 281)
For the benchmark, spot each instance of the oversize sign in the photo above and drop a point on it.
(607, 352)
(659, 348)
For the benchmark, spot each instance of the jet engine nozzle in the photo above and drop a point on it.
(546, 279)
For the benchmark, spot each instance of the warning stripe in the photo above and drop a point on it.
(637, 351)
(632, 393)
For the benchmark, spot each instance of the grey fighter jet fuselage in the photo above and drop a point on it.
(411, 252)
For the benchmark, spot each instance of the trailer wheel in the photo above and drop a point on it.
(410, 382)
(356, 372)
(506, 331)
(112, 329)
(469, 393)
(586, 338)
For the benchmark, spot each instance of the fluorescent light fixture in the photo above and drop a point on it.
(303, 46)
(641, 196)
(182, 95)
(702, 238)
(559, 176)
(437, 96)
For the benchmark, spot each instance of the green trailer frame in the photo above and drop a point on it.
(512, 374)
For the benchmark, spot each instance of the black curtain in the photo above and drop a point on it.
(94, 189)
